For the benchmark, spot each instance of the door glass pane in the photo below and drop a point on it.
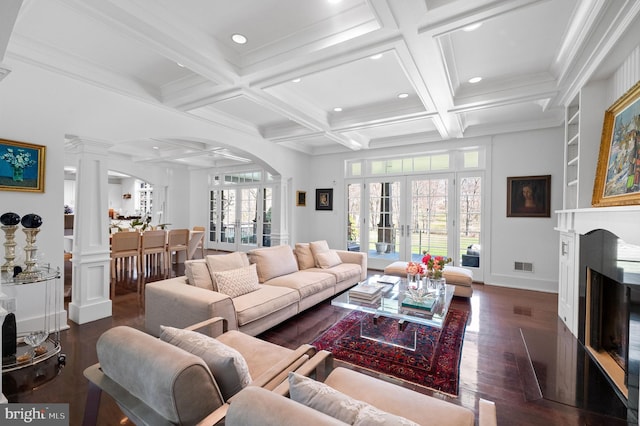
(384, 210)
(228, 216)
(470, 214)
(249, 216)
(429, 217)
(267, 203)
(354, 201)
(213, 215)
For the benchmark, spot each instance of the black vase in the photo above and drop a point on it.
(10, 218)
(9, 336)
(31, 220)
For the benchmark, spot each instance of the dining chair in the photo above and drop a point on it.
(153, 250)
(125, 255)
(201, 242)
(177, 241)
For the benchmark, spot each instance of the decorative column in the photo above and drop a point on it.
(281, 213)
(91, 257)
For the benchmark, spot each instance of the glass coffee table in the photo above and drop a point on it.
(390, 305)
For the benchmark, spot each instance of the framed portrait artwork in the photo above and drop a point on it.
(617, 181)
(301, 198)
(324, 199)
(529, 196)
(21, 166)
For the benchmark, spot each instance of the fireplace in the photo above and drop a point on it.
(609, 311)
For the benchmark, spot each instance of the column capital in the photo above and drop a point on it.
(83, 145)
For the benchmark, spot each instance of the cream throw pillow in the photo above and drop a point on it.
(236, 282)
(273, 262)
(225, 262)
(328, 259)
(338, 405)
(304, 256)
(197, 273)
(318, 247)
(226, 364)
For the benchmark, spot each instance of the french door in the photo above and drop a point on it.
(240, 218)
(399, 218)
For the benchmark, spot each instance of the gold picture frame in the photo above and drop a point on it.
(21, 166)
(301, 198)
(617, 181)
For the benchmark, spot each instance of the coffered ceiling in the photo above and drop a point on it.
(322, 76)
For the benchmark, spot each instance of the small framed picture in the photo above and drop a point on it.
(21, 166)
(529, 196)
(324, 199)
(301, 198)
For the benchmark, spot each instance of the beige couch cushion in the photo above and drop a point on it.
(273, 262)
(236, 282)
(198, 274)
(227, 365)
(304, 256)
(225, 262)
(343, 272)
(260, 303)
(306, 282)
(397, 400)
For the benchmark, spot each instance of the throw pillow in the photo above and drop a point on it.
(226, 364)
(225, 262)
(304, 256)
(318, 247)
(273, 262)
(197, 273)
(328, 259)
(237, 282)
(323, 398)
(370, 415)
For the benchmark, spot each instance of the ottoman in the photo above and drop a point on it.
(455, 275)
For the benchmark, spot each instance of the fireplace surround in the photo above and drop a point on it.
(606, 300)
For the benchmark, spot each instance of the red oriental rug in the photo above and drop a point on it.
(434, 364)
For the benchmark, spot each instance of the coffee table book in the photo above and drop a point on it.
(427, 305)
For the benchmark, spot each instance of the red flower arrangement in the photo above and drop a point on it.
(435, 264)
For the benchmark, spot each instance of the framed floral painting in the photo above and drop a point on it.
(617, 181)
(21, 166)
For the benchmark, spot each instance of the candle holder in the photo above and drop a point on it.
(31, 226)
(10, 223)
(9, 247)
(30, 249)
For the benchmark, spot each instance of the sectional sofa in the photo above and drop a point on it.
(253, 291)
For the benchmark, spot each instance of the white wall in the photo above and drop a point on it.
(525, 239)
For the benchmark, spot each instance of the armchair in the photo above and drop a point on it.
(157, 383)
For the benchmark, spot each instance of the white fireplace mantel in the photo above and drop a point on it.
(624, 221)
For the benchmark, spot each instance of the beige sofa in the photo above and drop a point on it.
(349, 397)
(288, 282)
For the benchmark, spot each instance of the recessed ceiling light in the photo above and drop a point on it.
(376, 56)
(403, 95)
(179, 64)
(337, 109)
(239, 38)
(296, 80)
(472, 27)
(156, 147)
(475, 80)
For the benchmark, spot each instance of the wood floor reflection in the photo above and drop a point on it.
(495, 364)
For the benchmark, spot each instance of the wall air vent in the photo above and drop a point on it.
(523, 266)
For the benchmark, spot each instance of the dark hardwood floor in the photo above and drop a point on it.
(524, 380)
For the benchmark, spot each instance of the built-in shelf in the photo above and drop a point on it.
(572, 154)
